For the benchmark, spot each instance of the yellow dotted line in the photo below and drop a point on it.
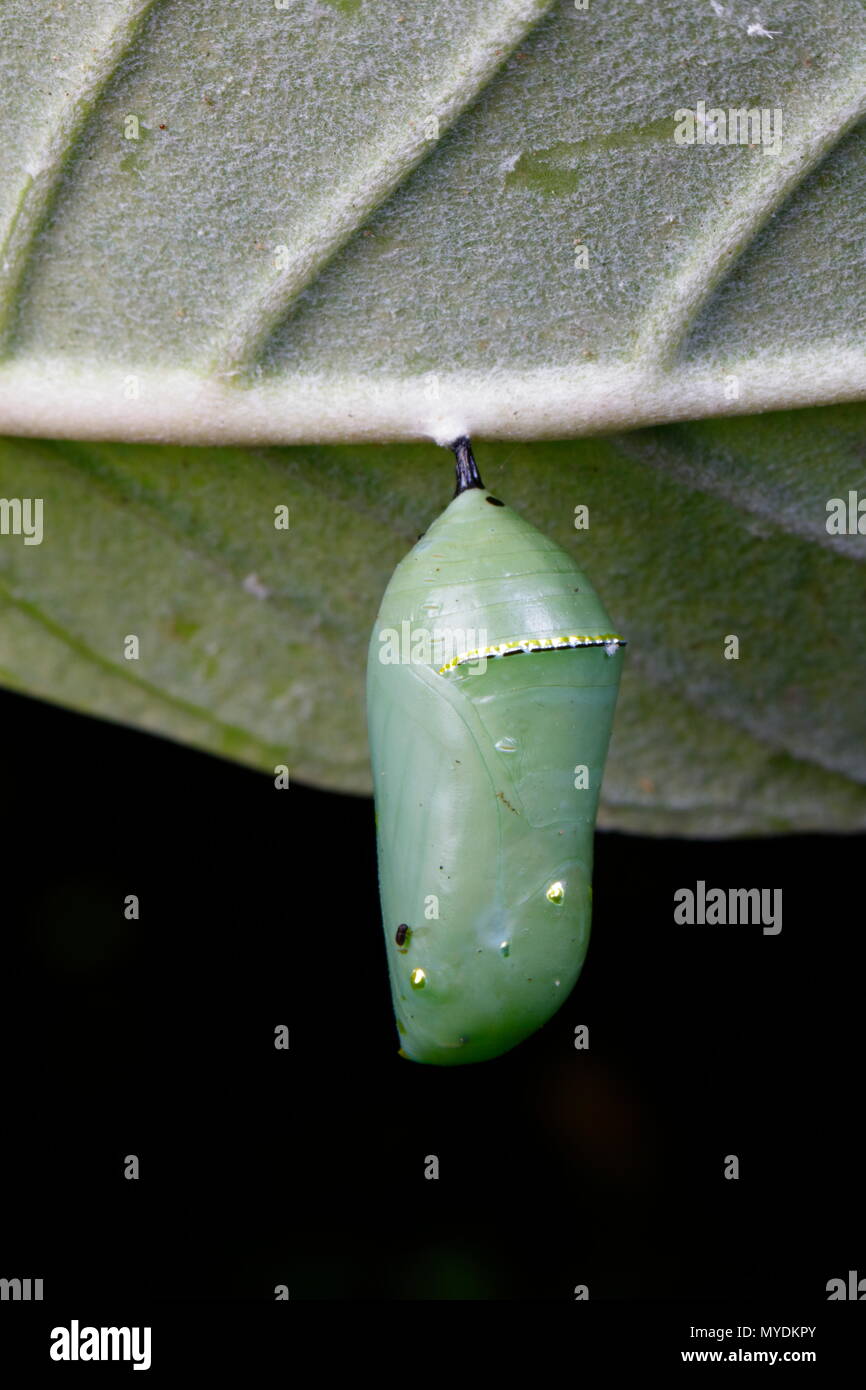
(532, 644)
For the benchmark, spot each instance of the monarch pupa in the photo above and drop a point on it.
(486, 774)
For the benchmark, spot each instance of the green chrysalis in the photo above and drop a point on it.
(491, 684)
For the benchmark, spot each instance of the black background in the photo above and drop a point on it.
(306, 1168)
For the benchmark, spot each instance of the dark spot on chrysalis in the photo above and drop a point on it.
(403, 934)
(494, 501)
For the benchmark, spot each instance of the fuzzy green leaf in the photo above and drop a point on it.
(253, 640)
(256, 221)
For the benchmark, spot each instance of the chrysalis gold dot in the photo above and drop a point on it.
(556, 892)
(418, 978)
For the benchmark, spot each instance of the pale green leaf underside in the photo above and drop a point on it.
(253, 641)
(287, 254)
